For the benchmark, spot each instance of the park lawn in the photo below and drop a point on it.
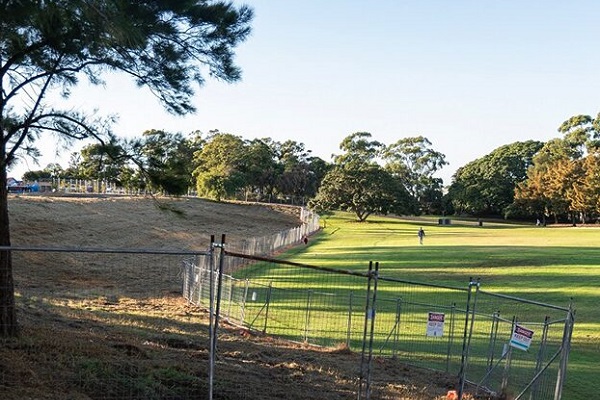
(555, 265)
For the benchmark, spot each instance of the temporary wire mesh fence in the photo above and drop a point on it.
(103, 324)
(492, 343)
(403, 312)
(122, 320)
(518, 347)
(270, 244)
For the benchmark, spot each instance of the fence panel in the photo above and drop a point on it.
(110, 323)
(268, 245)
(421, 324)
(297, 303)
(464, 332)
(517, 346)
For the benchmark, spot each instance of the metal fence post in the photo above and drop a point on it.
(506, 373)
(365, 332)
(492, 343)
(450, 336)
(564, 356)
(540, 359)
(468, 332)
(211, 334)
(372, 333)
(219, 290)
(217, 306)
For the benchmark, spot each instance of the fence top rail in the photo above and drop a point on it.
(103, 250)
(521, 300)
(296, 264)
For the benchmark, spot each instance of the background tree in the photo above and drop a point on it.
(220, 170)
(52, 170)
(297, 179)
(531, 198)
(358, 150)
(541, 193)
(414, 162)
(101, 162)
(261, 169)
(318, 168)
(584, 198)
(164, 160)
(486, 186)
(581, 134)
(356, 183)
(560, 182)
(362, 191)
(48, 45)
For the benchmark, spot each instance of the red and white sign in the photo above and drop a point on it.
(435, 324)
(521, 338)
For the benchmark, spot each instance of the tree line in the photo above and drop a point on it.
(225, 166)
(558, 179)
(215, 165)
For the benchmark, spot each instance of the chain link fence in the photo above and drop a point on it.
(119, 320)
(497, 345)
(103, 324)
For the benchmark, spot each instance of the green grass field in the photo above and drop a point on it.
(553, 265)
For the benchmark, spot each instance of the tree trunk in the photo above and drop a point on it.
(8, 314)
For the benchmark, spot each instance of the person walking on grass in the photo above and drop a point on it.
(421, 235)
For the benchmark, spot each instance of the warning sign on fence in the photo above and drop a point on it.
(435, 324)
(521, 337)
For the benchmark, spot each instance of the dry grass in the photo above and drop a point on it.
(91, 332)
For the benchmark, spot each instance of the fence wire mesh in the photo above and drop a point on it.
(465, 332)
(116, 318)
(299, 304)
(403, 329)
(516, 346)
(124, 325)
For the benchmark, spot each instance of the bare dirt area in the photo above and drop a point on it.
(94, 327)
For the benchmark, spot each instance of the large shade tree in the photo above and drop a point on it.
(261, 169)
(414, 162)
(562, 180)
(164, 160)
(301, 173)
(101, 161)
(358, 184)
(167, 46)
(486, 185)
(220, 166)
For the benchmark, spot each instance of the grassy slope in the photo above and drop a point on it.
(552, 265)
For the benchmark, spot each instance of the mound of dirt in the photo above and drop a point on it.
(138, 222)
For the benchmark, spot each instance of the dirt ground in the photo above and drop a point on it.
(78, 342)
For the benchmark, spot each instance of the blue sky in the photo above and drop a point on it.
(468, 75)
